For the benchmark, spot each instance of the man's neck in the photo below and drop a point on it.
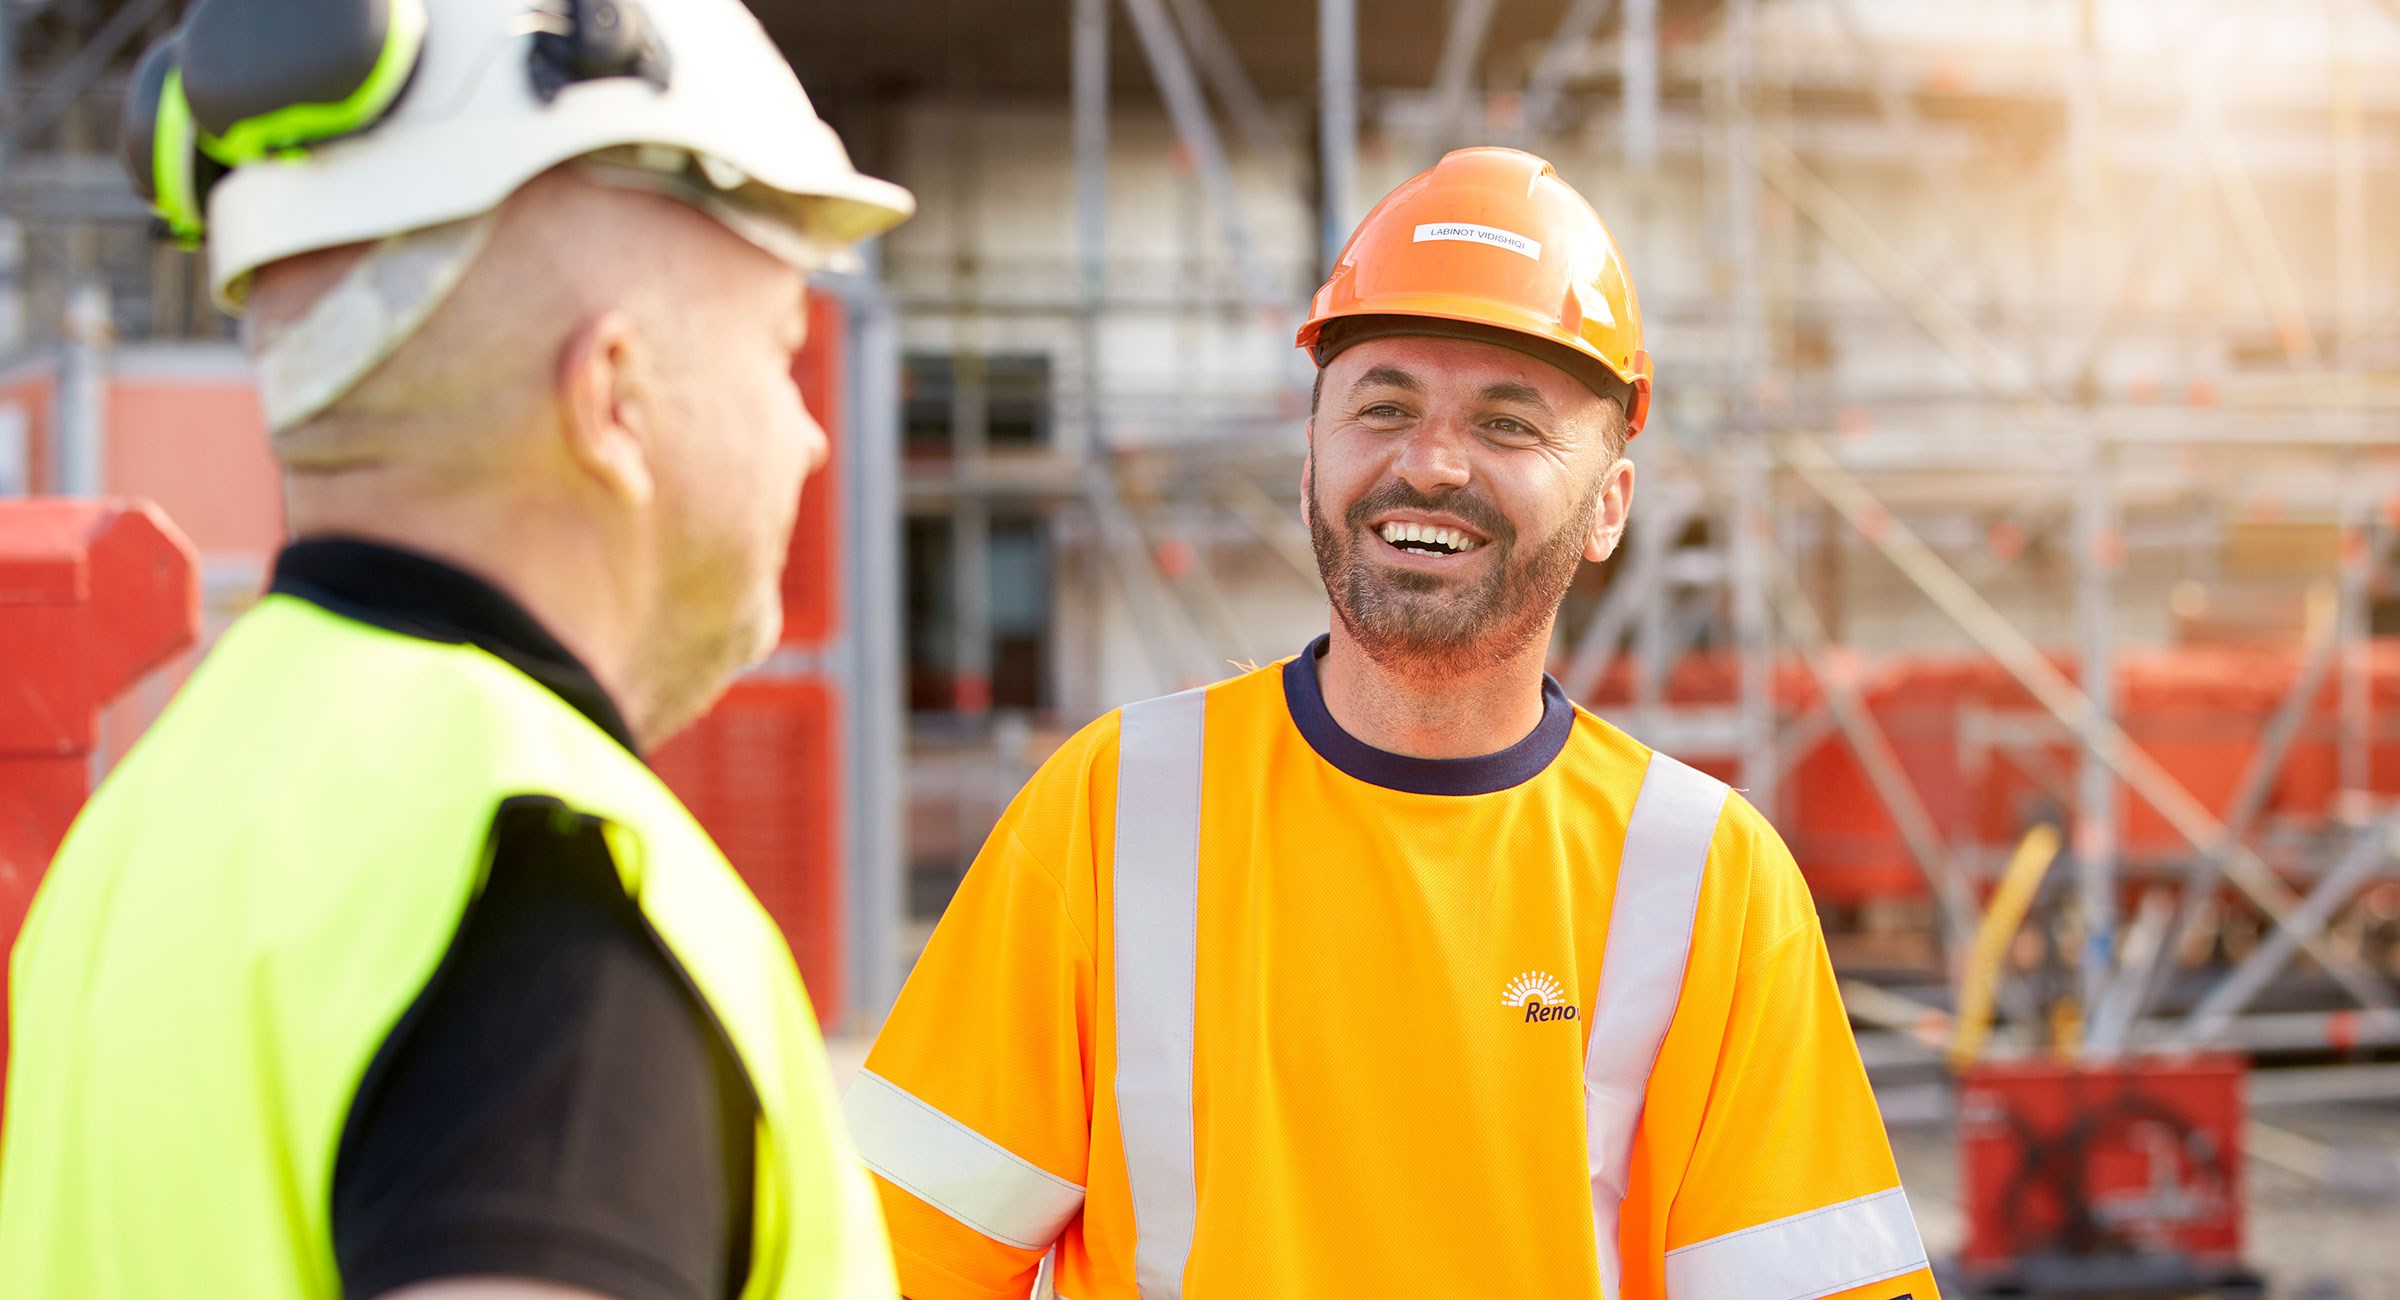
(1453, 713)
(551, 567)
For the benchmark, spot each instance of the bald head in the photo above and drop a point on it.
(563, 250)
(604, 402)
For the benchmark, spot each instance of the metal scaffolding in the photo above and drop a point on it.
(1938, 375)
(1761, 474)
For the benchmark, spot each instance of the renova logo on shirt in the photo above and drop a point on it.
(1539, 995)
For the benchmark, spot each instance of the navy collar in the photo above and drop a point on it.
(417, 595)
(1489, 774)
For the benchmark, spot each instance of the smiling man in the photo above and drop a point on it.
(1386, 971)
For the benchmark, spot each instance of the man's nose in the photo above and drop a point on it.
(1435, 457)
(815, 446)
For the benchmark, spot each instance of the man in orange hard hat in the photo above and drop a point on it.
(1386, 971)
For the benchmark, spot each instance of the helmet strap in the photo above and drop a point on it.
(721, 192)
(377, 305)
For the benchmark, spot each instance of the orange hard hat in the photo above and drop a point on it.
(1490, 244)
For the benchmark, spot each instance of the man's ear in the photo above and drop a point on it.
(1616, 505)
(604, 407)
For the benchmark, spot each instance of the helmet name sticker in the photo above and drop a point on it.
(1466, 233)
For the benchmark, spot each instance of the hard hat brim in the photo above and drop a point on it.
(471, 131)
(1335, 336)
(396, 179)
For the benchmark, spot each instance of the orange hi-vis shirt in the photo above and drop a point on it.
(1235, 1007)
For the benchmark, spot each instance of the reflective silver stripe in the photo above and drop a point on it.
(955, 1169)
(1641, 976)
(1802, 1257)
(1156, 879)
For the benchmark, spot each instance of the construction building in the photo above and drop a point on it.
(2027, 444)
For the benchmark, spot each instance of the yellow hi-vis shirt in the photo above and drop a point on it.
(1234, 1007)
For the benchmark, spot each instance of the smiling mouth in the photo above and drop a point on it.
(1427, 539)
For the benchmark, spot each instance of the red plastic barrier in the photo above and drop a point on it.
(1985, 758)
(93, 594)
(759, 773)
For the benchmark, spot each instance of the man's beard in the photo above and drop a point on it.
(1424, 624)
(728, 615)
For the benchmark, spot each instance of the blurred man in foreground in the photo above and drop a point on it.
(383, 964)
(1387, 971)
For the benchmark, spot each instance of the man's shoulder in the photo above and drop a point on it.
(1091, 752)
(1058, 813)
(1757, 866)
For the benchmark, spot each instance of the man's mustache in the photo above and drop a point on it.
(1467, 508)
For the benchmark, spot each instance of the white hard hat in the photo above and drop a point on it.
(472, 126)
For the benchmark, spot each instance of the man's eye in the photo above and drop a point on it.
(1508, 426)
(1383, 411)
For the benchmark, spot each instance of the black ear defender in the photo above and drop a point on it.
(245, 80)
(593, 40)
(242, 81)
(159, 145)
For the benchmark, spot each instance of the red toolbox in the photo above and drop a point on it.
(2104, 1172)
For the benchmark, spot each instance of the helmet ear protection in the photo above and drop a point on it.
(246, 80)
(599, 38)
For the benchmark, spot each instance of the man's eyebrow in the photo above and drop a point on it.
(1388, 377)
(1509, 390)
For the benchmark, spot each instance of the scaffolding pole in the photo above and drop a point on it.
(873, 650)
(2262, 253)
(1639, 584)
(83, 393)
(971, 538)
(2356, 752)
(2146, 979)
(1876, 757)
(2005, 643)
(1938, 176)
(1090, 108)
(1091, 198)
(1751, 504)
(1198, 132)
(2358, 542)
(1337, 131)
(1168, 637)
(1454, 72)
(1213, 50)
(8, 58)
(1656, 529)
(70, 81)
(2097, 544)
(1557, 63)
(12, 238)
(1637, 53)
(2369, 858)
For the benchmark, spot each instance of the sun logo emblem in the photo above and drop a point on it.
(1540, 996)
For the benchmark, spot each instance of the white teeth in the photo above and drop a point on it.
(1402, 533)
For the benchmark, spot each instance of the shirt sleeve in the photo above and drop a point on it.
(1790, 1191)
(974, 1109)
(558, 1103)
